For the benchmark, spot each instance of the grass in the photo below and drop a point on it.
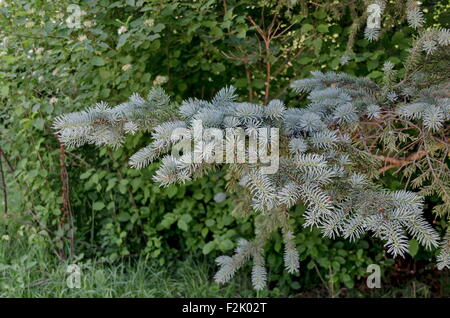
(31, 272)
(124, 280)
(28, 269)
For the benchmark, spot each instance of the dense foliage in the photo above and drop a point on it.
(191, 49)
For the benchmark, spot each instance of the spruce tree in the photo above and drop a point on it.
(321, 163)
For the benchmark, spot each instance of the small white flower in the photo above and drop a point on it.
(39, 50)
(122, 30)
(126, 67)
(82, 37)
(88, 23)
(149, 22)
(160, 80)
(53, 100)
(5, 237)
(41, 79)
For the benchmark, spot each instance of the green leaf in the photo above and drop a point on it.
(304, 60)
(97, 206)
(320, 14)
(39, 123)
(228, 15)
(240, 82)
(171, 191)
(218, 68)
(226, 245)
(208, 247)
(97, 61)
(258, 83)
(307, 27)
(371, 65)
(242, 31)
(111, 183)
(317, 43)
(413, 247)
(395, 60)
(4, 91)
(322, 28)
(124, 217)
(182, 225)
(123, 186)
(122, 40)
(295, 285)
(153, 37)
(310, 265)
(198, 195)
(375, 74)
(186, 218)
(216, 32)
(85, 175)
(168, 220)
(349, 283)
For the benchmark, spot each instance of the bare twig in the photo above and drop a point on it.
(5, 190)
(10, 166)
(67, 210)
(401, 162)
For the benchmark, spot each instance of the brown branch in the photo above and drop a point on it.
(5, 190)
(317, 4)
(67, 210)
(10, 166)
(249, 82)
(2, 175)
(267, 37)
(401, 162)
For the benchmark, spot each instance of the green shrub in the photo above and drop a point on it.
(47, 69)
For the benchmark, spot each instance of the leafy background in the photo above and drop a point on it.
(191, 48)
